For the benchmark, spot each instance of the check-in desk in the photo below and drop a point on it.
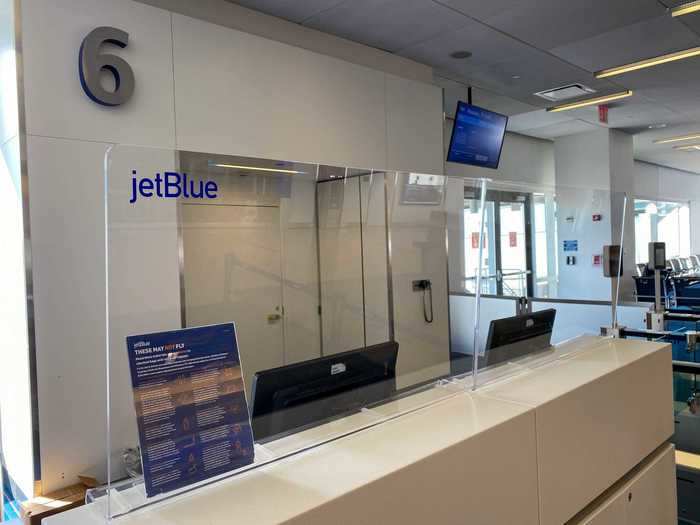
(549, 440)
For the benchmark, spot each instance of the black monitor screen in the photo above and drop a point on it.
(518, 336)
(477, 136)
(293, 397)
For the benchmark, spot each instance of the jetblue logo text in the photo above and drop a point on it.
(171, 185)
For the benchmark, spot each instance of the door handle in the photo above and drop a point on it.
(271, 318)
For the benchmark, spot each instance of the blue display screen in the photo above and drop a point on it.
(477, 136)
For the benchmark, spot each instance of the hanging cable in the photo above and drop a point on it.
(428, 289)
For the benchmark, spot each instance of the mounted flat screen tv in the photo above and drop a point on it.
(477, 136)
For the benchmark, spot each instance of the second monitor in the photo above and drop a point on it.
(293, 397)
(519, 336)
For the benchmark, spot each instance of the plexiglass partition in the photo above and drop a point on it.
(257, 308)
(543, 250)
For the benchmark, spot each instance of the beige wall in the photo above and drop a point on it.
(202, 87)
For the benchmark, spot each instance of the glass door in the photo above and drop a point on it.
(507, 252)
(513, 268)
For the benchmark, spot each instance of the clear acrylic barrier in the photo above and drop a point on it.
(543, 249)
(312, 264)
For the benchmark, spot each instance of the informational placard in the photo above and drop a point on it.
(570, 246)
(190, 403)
(513, 239)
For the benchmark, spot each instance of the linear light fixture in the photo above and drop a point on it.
(591, 101)
(649, 62)
(255, 168)
(679, 138)
(686, 9)
(688, 147)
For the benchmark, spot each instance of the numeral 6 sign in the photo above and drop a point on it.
(91, 62)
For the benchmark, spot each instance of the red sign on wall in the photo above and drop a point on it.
(475, 240)
(513, 238)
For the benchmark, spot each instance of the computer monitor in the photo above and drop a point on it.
(518, 336)
(477, 136)
(293, 397)
(695, 260)
(684, 263)
(675, 265)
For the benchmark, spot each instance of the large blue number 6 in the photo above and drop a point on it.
(91, 62)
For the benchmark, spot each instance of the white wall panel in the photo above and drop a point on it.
(241, 94)
(56, 105)
(658, 182)
(414, 126)
(340, 263)
(9, 120)
(302, 324)
(375, 257)
(583, 189)
(68, 251)
(621, 185)
(418, 252)
(228, 92)
(16, 438)
(524, 160)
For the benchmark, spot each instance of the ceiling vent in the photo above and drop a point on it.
(565, 92)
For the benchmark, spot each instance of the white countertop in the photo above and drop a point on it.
(284, 490)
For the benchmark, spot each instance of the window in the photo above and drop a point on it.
(659, 221)
(506, 259)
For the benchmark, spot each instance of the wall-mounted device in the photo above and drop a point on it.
(657, 255)
(570, 260)
(425, 286)
(612, 267)
(611, 261)
(657, 263)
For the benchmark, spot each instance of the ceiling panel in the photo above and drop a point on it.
(692, 21)
(522, 46)
(537, 119)
(664, 154)
(571, 127)
(521, 78)
(387, 24)
(293, 10)
(635, 114)
(680, 160)
(645, 39)
(683, 73)
(455, 91)
(553, 23)
(486, 45)
(501, 64)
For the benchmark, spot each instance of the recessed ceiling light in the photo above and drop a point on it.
(678, 138)
(650, 62)
(657, 126)
(515, 77)
(685, 9)
(591, 101)
(461, 54)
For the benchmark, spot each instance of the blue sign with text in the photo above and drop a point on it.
(190, 405)
(570, 246)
